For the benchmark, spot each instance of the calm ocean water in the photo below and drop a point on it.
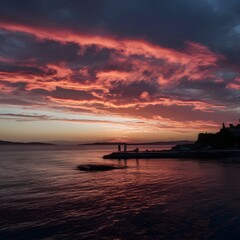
(43, 196)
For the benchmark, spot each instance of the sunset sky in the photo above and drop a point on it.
(111, 70)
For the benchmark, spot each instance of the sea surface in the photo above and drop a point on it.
(44, 196)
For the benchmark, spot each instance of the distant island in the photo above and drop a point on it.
(142, 143)
(23, 143)
(98, 143)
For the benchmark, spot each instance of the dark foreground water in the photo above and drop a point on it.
(43, 196)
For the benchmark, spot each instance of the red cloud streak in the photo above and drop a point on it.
(154, 75)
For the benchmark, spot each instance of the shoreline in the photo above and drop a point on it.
(207, 154)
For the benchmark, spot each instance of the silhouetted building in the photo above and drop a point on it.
(227, 137)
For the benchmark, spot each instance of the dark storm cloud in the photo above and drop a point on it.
(71, 94)
(214, 23)
(22, 47)
(128, 92)
(206, 90)
(26, 70)
(18, 85)
(118, 55)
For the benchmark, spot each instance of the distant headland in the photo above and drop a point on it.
(96, 143)
(226, 138)
(23, 143)
(225, 143)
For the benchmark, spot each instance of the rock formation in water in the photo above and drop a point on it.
(98, 167)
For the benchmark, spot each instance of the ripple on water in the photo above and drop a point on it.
(42, 196)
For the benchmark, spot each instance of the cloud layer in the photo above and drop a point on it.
(171, 65)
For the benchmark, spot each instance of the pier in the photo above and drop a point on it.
(206, 154)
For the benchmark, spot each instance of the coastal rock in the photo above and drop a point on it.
(97, 167)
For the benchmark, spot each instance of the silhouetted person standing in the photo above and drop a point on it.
(137, 150)
(119, 148)
(125, 147)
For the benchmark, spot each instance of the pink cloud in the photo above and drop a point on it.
(159, 67)
(195, 53)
